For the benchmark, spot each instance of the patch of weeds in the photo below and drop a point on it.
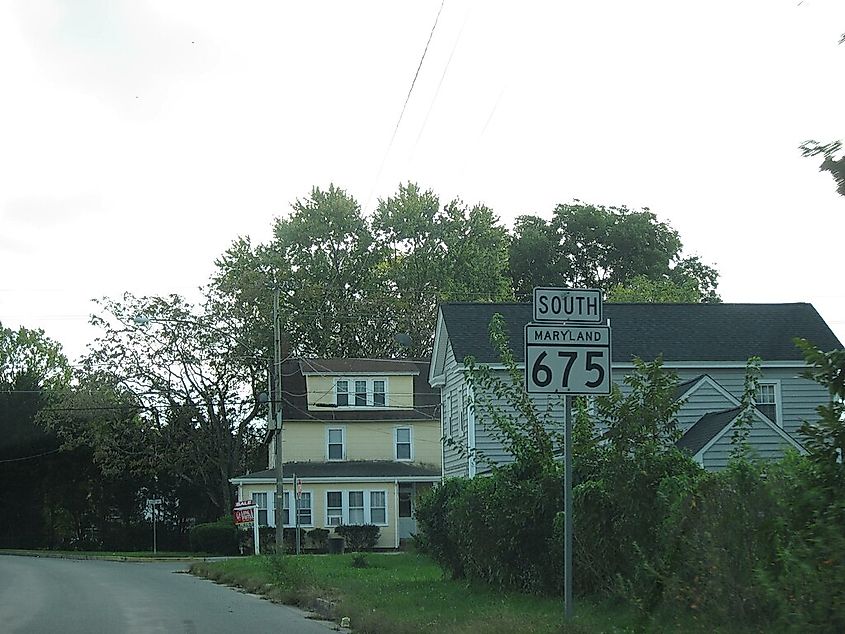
(359, 560)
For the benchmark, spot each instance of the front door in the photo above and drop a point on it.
(407, 523)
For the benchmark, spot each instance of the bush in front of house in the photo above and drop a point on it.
(220, 537)
(319, 539)
(359, 536)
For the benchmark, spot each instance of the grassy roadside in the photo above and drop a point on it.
(405, 593)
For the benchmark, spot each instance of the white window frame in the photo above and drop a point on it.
(410, 443)
(329, 429)
(262, 495)
(342, 515)
(344, 508)
(369, 503)
(363, 507)
(775, 385)
(351, 392)
(298, 509)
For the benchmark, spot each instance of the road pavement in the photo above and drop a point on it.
(68, 596)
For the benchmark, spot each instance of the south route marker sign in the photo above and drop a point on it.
(556, 305)
(564, 359)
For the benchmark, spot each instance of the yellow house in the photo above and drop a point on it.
(362, 439)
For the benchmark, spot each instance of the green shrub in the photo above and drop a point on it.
(359, 536)
(319, 539)
(435, 533)
(220, 537)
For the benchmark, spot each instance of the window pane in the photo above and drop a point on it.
(378, 393)
(342, 393)
(360, 393)
(335, 452)
(403, 434)
(286, 509)
(356, 499)
(378, 511)
(403, 451)
(334, 508)
(335, 435)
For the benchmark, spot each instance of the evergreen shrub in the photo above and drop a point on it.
(220, 537)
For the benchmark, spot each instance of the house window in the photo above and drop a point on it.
(403, 443)
(342, 388)
(260, 500)
(378, 507)
(286, 509)
(356, 507)
(335, 444)
(334, 508)
(378, 394)
(361, 392)
(303, 506)
(766, 400)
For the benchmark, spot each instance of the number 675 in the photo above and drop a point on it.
(542, 375)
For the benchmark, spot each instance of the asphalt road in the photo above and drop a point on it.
(45, 595)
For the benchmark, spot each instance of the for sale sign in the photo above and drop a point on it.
(244, 512)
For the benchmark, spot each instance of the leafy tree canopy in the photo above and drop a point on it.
(830, 162)
(594, 246)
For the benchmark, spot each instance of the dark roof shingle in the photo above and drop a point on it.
(679, 332)
(351, 469)
(705, 429)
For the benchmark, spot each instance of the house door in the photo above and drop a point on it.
(407, 523)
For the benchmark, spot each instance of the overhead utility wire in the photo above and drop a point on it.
(405, 105)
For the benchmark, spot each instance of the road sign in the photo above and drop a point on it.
(563, 359)
(298, 489)
(582, 305)
(153, 502)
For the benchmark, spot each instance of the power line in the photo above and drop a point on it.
(46, 453)
(405, 105)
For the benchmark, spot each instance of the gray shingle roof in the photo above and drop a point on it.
(351, 469)
(358, 366)
(680, 332)
(705, 429)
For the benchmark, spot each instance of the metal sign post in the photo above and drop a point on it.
(567, 353)
(153, 504)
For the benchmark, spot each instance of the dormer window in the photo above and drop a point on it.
(361, 392)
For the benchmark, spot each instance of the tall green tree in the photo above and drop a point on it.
(436, 253)
(167, 389)
(32, 370)
(594, 246)
(351, 285)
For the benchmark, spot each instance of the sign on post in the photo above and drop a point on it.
(581, 305)
(567, 351)
(567, 359)
(245, 514)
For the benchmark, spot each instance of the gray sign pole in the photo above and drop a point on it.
(567, 510)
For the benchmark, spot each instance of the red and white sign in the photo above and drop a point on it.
(298, 489)
(244, 512)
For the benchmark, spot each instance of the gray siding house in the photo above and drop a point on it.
(706, 345)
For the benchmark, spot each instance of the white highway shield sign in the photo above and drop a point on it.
(567, 305)
(567, 359)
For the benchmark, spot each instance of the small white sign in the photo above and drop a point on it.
(581, 305)
(567, 359)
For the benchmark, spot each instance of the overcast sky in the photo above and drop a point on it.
(138, 139)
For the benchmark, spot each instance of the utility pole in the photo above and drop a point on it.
(276, 400)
